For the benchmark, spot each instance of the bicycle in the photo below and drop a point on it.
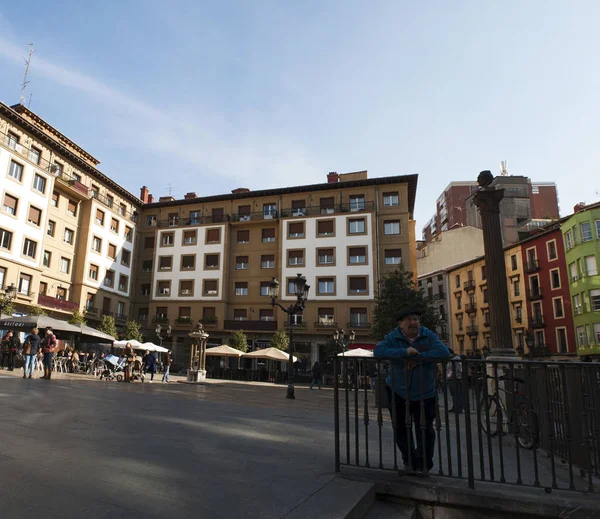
(495, 413)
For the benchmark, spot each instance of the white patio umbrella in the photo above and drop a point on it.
(150, 346)
(136, 345)
(358, 352)
(223, 351)
(269, 354)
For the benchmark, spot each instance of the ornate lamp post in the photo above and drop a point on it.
(8, 296)
(158, 331)
(343, 340)
(301, 296)
(197, 369)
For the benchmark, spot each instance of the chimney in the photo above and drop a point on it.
(240, 190)
(150, 199)
(190, 195)
(579, 207)
(144, 194)
(333, 178)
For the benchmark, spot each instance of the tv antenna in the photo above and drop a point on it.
(503, 170)
(170, 189)
(25, 78)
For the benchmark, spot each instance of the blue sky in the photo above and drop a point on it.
(211, 96)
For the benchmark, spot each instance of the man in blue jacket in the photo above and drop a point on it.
(413, 351)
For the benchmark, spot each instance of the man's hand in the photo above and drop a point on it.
(412, 351)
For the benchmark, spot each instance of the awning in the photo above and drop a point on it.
(223, 351)
(358, 352)
(269, 354)
(28, 322)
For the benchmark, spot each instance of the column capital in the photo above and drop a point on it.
(488, 199)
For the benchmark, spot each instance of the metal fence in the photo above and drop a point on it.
(530, 423)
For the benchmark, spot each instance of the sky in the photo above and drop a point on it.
(210, 96)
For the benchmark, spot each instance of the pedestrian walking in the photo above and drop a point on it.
(11, 346)
(168, 362)
(49, 344)
(316, 375)
(30, 351)
(150, 364)
(454, 378)
(413, 350)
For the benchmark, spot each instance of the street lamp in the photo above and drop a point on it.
(8, 296)
(301, 290)
(158, 331)
(342, 339)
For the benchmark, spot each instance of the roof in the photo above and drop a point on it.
(14, 115)
(411, 180)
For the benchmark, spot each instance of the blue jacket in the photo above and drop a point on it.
(420, 381)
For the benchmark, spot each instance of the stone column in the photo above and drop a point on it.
(197, 370)
(487, 199)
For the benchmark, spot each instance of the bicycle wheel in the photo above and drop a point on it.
(526, 436)
(492, 409)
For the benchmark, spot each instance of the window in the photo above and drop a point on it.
(96, 244)
(598, 236)
(325, 228)
(268, 235)
(357, 255)
(264, 288)
(483, 273)
(165, 262)
(164, 288)
(551, 249)
(109, 278)
(569, 240)
(210, 287)
(65, 265)
(209, 314)
(327, 205)
(99, 217)
(326, 286)
(595, 300)
(513, 262)
(43, 288)
(24, 284)
(149, 242)
(485, 297)
(241, 263)
(173, 219)
(296, 230)
(555, 278)
(358, 317)
(561, 340)
(93, 272)
(298, 207)
(266, 314)
(516, 288)
(147, 266)
(391, 227)
(519, 314)
(76, 176)
(51, 228)
(356, 226)
(326, 317)
(55, 198)
(581, 341)
(457, 280)
(129, 234)
(269, 210)
(357, 285)
(145, 289)
(15, 171)
(109, 200)
(125, 257)
(12, 140)
(69, 236)
(112, 251)
(558, 308)
(39, 183)
(190, 237)
(267, 261)
(213, 235)
(29, 248)
(325, 256)
(72, 208)
(291, 287)
(393, 256)
(241, 288)
(114, 225)
(151, 220)
(162, 313)
(295, 257)
(244, 212)
(186, 287)
(167, 239)
(5, 241)
(47, 258)
(243, 236)
(590, 266)
(188, 262)
(10, 204)
(122, 209)
(211, 261)
(390, 199)
(586, 231)
(357, 203)
(34, 216)
(577, 309)
(2, 276)
(218, 214)
(573, 272)
(185, 313)
(123, 282)
(240, 314)
(195, 217)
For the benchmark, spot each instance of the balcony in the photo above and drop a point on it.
(537, 321)
(91, 310)
(186, 222)
(532, 266)
(486, 323)
(160, 319)
(471, 308)
(322, 211)
(258, 216)
(469, 285)
(325, 324)
(209, 322)
(439, 296)
(181, 322)
(58, 304)
(110, 204)
(250, 326)
(295, 326)
(472, 330)
(535, 293)
(120, 317)
(443, 336)
(75, 186)
(358, 324)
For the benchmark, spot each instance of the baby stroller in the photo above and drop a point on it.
(113, 368)
(137, 373)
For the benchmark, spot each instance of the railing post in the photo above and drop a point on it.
(336, 414)
(467, 413)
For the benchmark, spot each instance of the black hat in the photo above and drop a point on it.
(409, 311)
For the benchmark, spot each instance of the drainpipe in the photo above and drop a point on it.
(377, 237)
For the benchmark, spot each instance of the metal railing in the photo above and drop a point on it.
(469, 285)
(535, 293)
(248, 325)
(327, 210)
(532, 266)
(59, 304)
(471, 308)
(514, 422)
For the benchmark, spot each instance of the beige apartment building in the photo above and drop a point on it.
(67, 231)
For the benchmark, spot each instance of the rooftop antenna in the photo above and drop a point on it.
(170, 189)
(25, 80)
(503, 170)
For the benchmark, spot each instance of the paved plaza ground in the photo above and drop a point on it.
(75, 447)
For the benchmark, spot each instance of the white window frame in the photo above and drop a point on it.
(356, 223)
(39, 179)
(65, 265)
(552, 287)
(327, 285)
(562, 306)
(27, 245)
(588, 236)
(390, 202)
(389, 228)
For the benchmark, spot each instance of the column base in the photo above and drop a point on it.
(197, 376)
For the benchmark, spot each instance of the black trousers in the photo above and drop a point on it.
(404, 434)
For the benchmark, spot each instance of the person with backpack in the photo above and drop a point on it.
(49, 344)
(30, 349)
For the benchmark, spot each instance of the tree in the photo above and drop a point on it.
(397, 292)
(77, 318)
(239, 341)
(280, 340)
(108, 325)
(132, 331)
(7, 305)
(36, 310)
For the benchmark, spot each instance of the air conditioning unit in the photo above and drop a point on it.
(211, 292)
(164, 291)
